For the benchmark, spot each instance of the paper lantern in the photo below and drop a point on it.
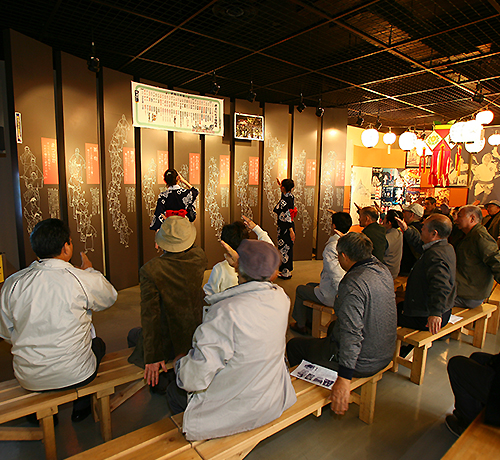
(456, 132)
(369, 137)
(420, 145)
(475, 147)
(485, 117)
(389, 138)
(472, 131)
(407, 141)
(494, 139)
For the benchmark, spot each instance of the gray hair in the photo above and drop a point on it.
(356, 246)
(475, 211)
(440, 223)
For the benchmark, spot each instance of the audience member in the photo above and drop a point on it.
(235, 373)
(223, 276)
(171, 300)
(368, 219)
(325, 291)
(286, 211)
(475, 382)
(430, 206)
(175, 200)
(492, 221)
(363, 337)
(394, 237)
(412, 216)
(478, 259)
(46, 313)
(431, 287)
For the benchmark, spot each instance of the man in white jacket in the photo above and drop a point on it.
(235, 375)
(46, 313)
(325, 291)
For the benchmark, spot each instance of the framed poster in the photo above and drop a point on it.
(248, 127)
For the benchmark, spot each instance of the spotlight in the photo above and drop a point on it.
(93, 63)
(215, 86)
(378, 124)
(478, 95)
(360, 119)
(301, 105)
(251, 94)
(319, 109)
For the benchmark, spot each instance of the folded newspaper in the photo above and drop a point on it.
(313, 373)
(454, 319)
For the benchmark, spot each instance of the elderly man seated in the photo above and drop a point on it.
(364, 335)
(235, 374)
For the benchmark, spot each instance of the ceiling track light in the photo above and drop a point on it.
(478, 95)
(251, 94)
(360, 119)
(93, 63)
(378, 124)
(301, 105)
(319, 109)
(215, 86)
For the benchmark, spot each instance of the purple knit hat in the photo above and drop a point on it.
(258, 259)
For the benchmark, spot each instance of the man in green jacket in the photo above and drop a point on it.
(478, 259)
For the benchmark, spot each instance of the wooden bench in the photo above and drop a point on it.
(114, 370)
(477, 441)
(494, 299)
(322, 317)
(161, 441)
(475, 319)
(16, 402)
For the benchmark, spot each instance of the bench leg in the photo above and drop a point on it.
(418, 366)
(316, 323)
(493, 322)
(455, 335)
(105, 417)
(397, 350)
(46, 419)
(127, 393)
(480, 332)
(367, 401)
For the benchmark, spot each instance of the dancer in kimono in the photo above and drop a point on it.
(286, 212)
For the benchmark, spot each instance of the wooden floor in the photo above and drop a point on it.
(408, 425)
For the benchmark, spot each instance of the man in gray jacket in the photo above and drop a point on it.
(332, 273)
(362, 340)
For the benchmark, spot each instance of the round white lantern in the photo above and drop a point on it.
(485, 117)
(475, 147)
(494, 139)
(420, 146)
(389, 138)
(407, 140)
(472, 131)
(456, 132)
(369, 137)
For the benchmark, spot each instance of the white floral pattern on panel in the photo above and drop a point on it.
(327, 184)
(130, 195)
(119, 220)
(211, 206)
(148, 191)
(53, 199)
(271, 188)
(224, 197)
(299, 192)
(77, 201)
(96, 207)
(184, 171)
(33, 181)
(241, 184)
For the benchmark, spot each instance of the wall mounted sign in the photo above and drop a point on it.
(253, 171)
(92, 163)
(160, 108)
(19, 128)
(49, 161)
(162, 158)
(128, 165)
(248, 127)
(194, 168)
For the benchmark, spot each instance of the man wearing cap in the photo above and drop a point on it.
(412, 215)
(478, 259)
(171, 298)
(368, 217)
(363, 337)
(235, 374)
(492, 221)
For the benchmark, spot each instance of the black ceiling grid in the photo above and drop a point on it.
(411, 61)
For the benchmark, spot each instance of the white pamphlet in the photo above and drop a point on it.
(315, 374)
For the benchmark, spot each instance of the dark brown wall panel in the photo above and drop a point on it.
(246, 197)
(277, 133)
(154, 160)
(34, 98)
(332, 171)
(120, 180)
(82, 158)
(188, 163)
(305, 138)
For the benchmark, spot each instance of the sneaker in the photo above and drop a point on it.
(453, 425)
